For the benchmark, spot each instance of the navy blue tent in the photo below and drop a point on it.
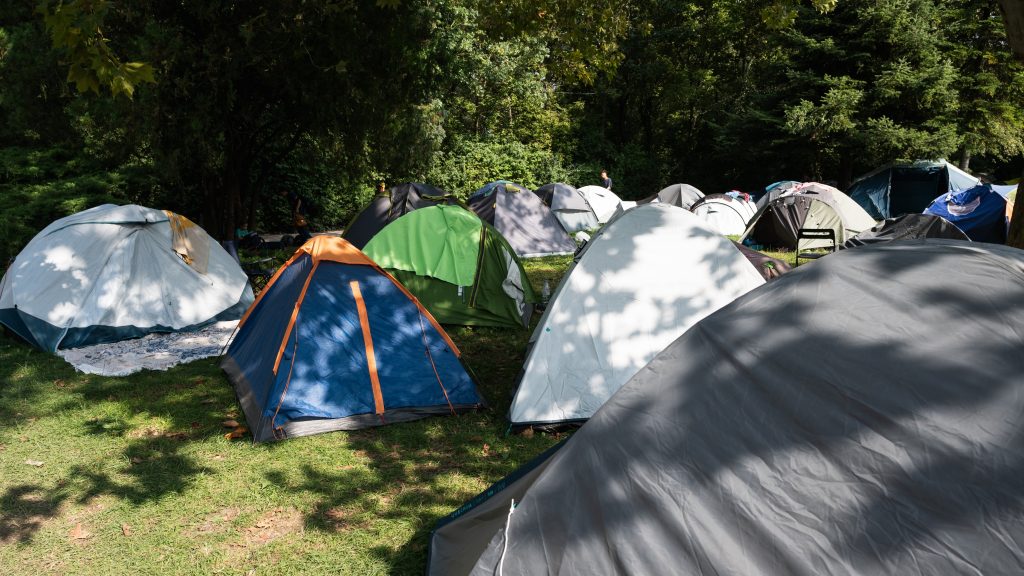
(335, 343)
(907, 188)
(979, 212)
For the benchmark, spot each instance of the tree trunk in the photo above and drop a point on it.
(1013, 20)
(965, 160)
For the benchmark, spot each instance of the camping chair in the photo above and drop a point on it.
(257, 271)
(814, 234)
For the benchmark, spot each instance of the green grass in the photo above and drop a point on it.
(137, 478)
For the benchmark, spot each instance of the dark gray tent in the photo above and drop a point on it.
(859, 416)
(682, 195)
(907, 227)
(568, 206)
(386, 208)
(528, 225)
(896, 189)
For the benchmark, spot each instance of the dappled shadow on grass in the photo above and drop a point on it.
(149, 417)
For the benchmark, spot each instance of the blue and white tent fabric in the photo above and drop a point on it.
(979, 212)
(896, 189)
(111, 273)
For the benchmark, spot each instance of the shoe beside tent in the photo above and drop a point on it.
(830, 422)
(643, 280)
(458, 266)
(682, 195)
(896, 189)
(725, 213)
(809, 205)
(569, 207)
(386, 208)
(980, 212)
(112, 273)
(907, 227)
(522, 218)
(603, 201)
(335, 343)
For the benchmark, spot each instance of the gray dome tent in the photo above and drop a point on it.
(682, 195)
(522, 219)
(568, 206)
(829, 422)
(809, 205)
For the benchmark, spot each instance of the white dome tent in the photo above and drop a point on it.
(725, 213)
(112, 272)
(643, 280)
(602, 201)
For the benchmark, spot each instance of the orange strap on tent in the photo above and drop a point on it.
(295, 314)
(371, 359)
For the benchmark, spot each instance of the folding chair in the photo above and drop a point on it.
(257, 271)
(814, 234)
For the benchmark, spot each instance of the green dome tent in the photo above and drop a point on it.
(458, 266)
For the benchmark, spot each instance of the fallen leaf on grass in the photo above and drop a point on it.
(136, 460)
(236, 433)
(36, 463)
(487, 450)
(177, 435)
(208, 401)
(229, 424)
(126, 529)
(528, 433)
(79, 533)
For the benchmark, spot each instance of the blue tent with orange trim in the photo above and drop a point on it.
(336, 343)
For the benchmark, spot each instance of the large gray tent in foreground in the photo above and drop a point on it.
(859, 416)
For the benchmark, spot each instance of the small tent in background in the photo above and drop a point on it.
(907, 227)
(861, 415)
(682, 195)
(335, 343)
(111, 273)
(522, 218)
(725, 213)
(457, 265)
(386, 208)
(569, 207)
(809, 205)
(603, 201)
(896, 189)
(643, 280)
(980, 212)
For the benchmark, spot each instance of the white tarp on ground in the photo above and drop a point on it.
(152, 352)
(603, 201)
(643, 280)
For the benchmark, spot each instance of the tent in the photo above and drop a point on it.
(725, 213)
(907, 227)
(111, 273)
(603, 201)
(829, 422)
(520, 216)
(646, 277)
(980, 212)
(386, 208)
(809, 205)
(458, 266)
(774, 190)
(569, 207)
(682, 195)
(896, 189)
(335, 343)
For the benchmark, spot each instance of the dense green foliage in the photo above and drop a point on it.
(326, 98)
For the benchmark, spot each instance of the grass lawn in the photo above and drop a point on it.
(133, 475)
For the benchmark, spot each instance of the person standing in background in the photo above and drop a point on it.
(605, 180)
(299, 219)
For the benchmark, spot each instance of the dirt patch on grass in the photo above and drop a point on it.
(274, 524)
(218, 521)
